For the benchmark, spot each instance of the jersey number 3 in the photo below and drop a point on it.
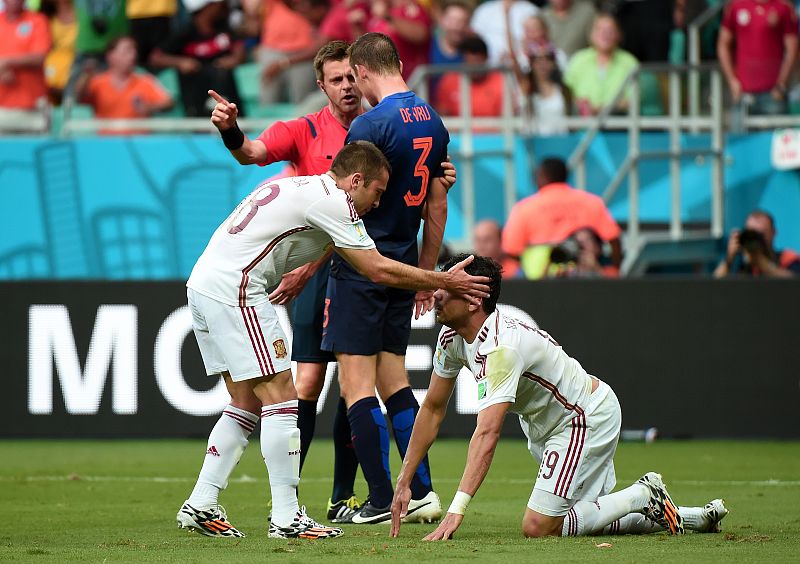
(424, 144)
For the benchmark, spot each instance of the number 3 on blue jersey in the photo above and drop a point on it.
(424, 144)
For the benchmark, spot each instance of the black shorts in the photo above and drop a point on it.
(308, 310)
(365, 318)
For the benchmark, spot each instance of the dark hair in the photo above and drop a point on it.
(363, 157)
(552, 169)
(117, 40)
(473, 45)
(482, 266)
(331, 51)
(444, 6)
(377, 52)
(765, 214)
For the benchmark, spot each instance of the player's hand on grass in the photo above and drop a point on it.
(471, 287)
(400, 501)
(446, 528)
(225, 113)
(292, 283)
(423, 303)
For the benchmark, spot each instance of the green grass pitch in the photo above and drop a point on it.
(115, 501)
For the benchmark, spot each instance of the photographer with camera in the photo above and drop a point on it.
(581, 256)
(751, 252)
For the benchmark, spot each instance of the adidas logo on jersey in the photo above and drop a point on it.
(212, 450)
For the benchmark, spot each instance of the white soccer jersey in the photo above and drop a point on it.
(515, 362)
(281, 225)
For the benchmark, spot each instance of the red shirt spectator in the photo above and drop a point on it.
(408, 25)
(24, 43)
(759, 29)
(486, 90)
(338, 23)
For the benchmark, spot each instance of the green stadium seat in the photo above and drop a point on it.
(169, 80)
(652, 103)
(248, 81)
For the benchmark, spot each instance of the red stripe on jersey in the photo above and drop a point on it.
(353, 214)
(261, 256)
(261, 363)
(577, 457)
(251, 311)
(549, 386)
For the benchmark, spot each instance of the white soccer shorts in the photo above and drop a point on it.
(577, 462)
(248, 342)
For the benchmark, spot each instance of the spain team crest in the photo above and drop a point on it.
(280, 348)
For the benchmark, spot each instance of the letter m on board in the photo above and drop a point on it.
(51, 343)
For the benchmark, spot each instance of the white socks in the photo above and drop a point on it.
(225, 447)
(632, 524)
(280, 447)
(587, 517)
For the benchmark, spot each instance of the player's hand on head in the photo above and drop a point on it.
(224, 114)
(464, 284)
(402, 497)
(446, 528)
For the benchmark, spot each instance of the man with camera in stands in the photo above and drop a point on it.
(751, 252)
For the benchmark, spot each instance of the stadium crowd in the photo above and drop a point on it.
(569, 56)
(140, 58)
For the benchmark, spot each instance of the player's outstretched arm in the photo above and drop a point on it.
(388, 272)
(426, 428)
(243, 149)
(479, 458)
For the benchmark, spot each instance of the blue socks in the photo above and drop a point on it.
(402, 408)
(368, 428)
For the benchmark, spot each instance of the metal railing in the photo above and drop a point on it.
(674, 123)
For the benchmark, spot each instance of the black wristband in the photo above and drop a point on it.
(233, 138)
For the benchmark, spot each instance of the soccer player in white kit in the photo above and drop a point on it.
(281, 225)
(571, 419)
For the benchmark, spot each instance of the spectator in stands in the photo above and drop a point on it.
(408, 24)
(150, 22)
(751, 251)
(646, 27)
(489, 23)
(487, 238)
(205, 52)
(595, 74)
(552, 215)
(757, 49)
(570, 23)
(486, 88)
(581, 256)
(285, 34)
(98, 24)
(24, 43)
(541, 86)
(536, 39)
(63, 31)
(452, 26)
(119, 92)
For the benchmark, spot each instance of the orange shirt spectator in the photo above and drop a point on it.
(125, 99)
(24, 43)
(486, 90)
(555, 212)
(408, 25)
(285, 30)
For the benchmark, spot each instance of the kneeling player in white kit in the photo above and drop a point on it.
(571, 419)
(281, 225)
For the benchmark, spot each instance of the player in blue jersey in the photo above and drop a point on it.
(367, 325)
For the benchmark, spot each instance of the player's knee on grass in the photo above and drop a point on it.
(310, 380)
(536, 525)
